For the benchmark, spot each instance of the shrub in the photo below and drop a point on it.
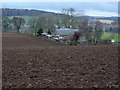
(49, 32)
(39, 32)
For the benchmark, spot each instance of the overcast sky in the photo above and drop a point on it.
(59, 0)
(89, 8)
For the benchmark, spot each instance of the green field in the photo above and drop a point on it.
(114, 36)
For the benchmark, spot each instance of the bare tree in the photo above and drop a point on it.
(32, 21)
(83, 28)
(98, 29)
(71, 11)
(67, 17)
(46, 22)
(65, 11)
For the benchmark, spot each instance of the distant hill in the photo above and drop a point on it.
(27, 12)
(103, 18)
(23, 12)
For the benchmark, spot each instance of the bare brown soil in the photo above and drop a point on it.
(40, 63)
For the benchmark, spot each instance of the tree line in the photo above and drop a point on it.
(23, 12)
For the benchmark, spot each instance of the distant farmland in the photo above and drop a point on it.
(106, 21)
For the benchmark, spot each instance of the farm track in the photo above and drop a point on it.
(40, 63)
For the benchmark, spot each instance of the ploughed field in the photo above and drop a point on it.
(40, 63)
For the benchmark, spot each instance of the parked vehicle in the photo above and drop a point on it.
(44, 34)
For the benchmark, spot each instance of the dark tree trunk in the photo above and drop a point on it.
(18, 28)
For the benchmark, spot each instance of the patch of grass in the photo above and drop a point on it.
(114, 36)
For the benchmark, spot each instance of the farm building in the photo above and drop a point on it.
(65, 31)
(68, 33)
